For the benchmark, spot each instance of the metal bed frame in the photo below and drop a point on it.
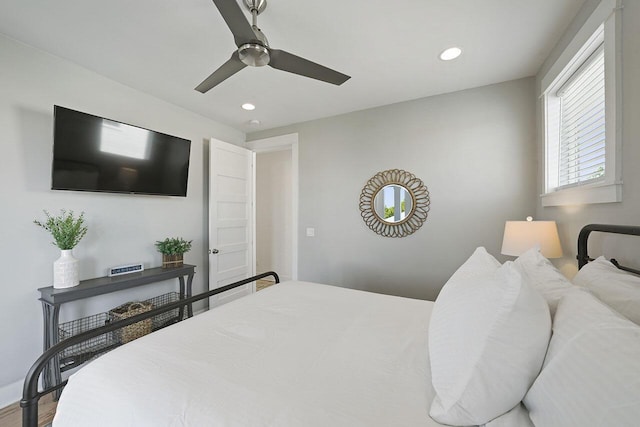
(30, 393)
(583, 257)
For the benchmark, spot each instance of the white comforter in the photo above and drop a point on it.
(296, 354)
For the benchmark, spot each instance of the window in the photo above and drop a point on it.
(582, 124)
(580, 96)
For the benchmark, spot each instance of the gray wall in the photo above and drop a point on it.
(122, 228)
(476, 152)
(571, 219)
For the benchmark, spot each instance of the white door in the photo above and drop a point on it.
(230, 219)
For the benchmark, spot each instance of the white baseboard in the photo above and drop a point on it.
(10, 393)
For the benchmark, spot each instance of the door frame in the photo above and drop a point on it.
(280, 143)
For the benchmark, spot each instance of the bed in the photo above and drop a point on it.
(307, 354)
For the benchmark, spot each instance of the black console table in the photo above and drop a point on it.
(52, 299)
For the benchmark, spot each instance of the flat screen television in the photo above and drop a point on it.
(91, 153)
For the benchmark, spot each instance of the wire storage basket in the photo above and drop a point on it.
(80, 353)
(167, 318)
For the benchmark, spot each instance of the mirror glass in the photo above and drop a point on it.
(392, 203)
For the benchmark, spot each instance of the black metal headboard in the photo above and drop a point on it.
(583, 257)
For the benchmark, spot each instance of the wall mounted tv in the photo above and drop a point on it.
(92, 153)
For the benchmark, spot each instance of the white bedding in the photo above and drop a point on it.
(295, 354)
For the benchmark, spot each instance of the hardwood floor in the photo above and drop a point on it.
(11, 416)
(263, 283)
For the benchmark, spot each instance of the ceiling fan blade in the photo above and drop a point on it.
(286, 61)
(227, 69)
(236, 21)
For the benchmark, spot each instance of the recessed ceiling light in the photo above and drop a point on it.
(248, 107)
(451, 53)
(254, 122)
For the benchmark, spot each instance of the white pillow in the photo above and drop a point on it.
(543, 276)
(616, 288)
(479, 263)
(591, 375)
(488, 335)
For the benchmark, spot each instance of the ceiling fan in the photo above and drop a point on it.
(254, 50)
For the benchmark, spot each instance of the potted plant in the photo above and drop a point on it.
(172, 250)
(67, 231)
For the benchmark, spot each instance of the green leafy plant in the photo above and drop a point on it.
(173, 246)
(66, 229)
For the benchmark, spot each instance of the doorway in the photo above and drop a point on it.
(276, 206)
(273, 213)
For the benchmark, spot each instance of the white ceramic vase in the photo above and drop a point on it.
(65, 270)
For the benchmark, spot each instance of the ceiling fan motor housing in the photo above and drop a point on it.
(254, 54)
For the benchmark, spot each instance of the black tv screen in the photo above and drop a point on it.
(91, 153)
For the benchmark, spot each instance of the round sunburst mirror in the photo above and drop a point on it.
(394, 203)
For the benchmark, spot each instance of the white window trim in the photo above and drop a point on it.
(609, 189)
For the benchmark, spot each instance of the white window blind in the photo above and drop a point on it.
(582, 123)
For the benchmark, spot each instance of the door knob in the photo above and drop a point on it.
(213, 251)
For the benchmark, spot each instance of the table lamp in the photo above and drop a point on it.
(520, 236)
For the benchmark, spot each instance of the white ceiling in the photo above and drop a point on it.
(389, 48)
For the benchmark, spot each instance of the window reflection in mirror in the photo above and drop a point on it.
(393, 203)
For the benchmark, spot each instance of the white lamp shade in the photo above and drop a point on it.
(520, 236)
